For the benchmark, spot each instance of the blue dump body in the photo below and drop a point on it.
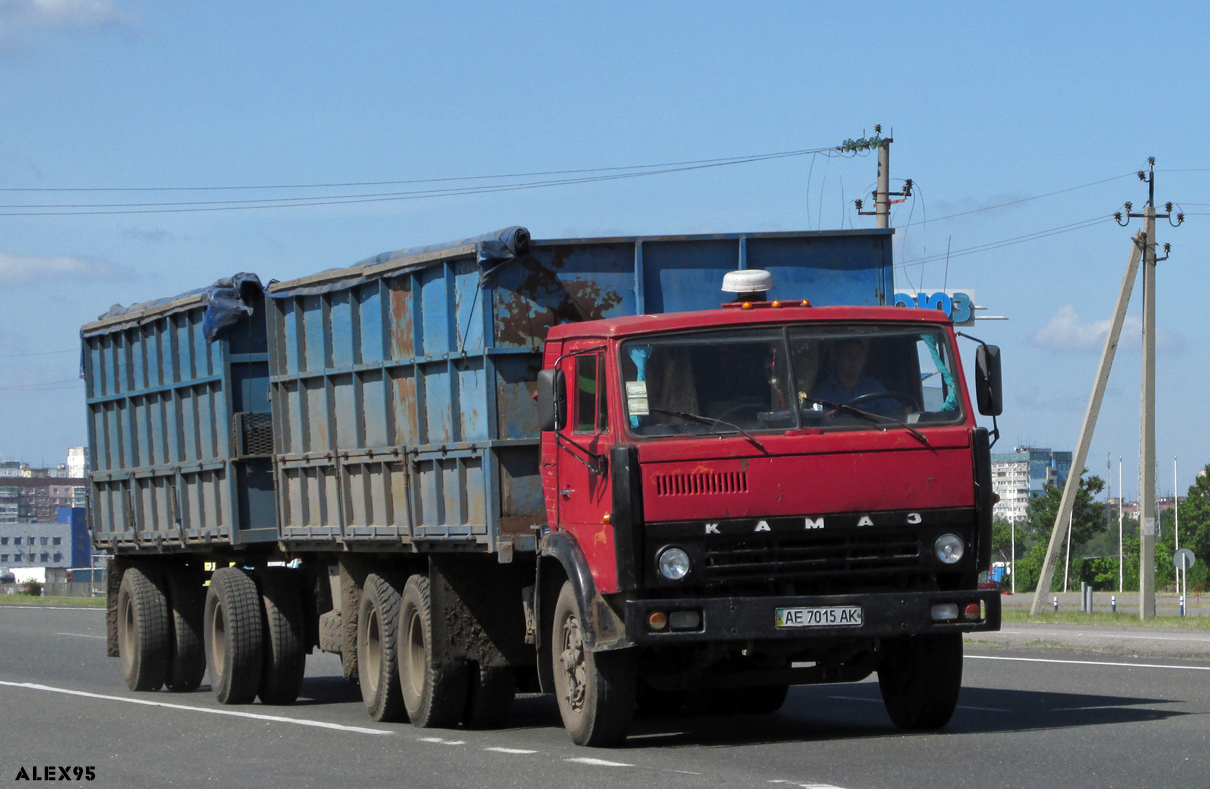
(178, 421)
(401, 388)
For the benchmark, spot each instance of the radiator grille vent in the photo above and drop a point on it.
(701, 483)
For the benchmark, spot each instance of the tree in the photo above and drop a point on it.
(1194, 517)
(1088, 521)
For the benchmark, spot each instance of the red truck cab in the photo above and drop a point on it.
(749, 490)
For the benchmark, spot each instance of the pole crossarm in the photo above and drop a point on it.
(1067, 503)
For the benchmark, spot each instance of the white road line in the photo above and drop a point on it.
(596, 762)
(100, 608)
(806, 785)
(79, 635)
(515, 751)
(959, 707)
(232, 713)
(1088, 663)
(1115, 636)
(441, 741)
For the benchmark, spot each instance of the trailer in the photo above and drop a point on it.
(504, 464)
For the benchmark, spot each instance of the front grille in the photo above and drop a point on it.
(701, 483)
(809, 557)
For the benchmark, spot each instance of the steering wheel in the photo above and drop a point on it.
(907, 398)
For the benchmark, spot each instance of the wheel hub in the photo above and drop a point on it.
(572, 659)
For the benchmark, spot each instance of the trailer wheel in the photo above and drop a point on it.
(435, 696)
(920, 679)
(144, 628)
(187, 664)
(285, 658)
(377, 648)
(235, 639)
(489, 697)
(595, 690)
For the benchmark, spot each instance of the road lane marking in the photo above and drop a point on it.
(79, 635)
(1093, 634)
(515, 751)
(596, 762)
(441, 741)
(232, 713)
(806, 785)
(1088, 663)
(958, 707)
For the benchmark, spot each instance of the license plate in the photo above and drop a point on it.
(830, 616)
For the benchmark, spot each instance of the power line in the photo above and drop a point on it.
(1028, 199)
(37, 353)
(1006, 242)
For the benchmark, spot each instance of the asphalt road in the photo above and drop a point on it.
(1034, 711)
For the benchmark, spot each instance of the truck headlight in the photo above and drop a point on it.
(949, 549)
(674, 563)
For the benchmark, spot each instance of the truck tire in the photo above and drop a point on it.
(920, 678)
(234, 628)
(144, 629)
(435, 697)
(595, 690)
(285, 652)
(377, 648)
(763, 700)
(187, 663)
(489, 696)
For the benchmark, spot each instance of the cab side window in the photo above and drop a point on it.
(590, 412)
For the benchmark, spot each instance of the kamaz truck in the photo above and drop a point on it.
(652, 474)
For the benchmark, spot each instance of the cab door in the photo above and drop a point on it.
(584, 490)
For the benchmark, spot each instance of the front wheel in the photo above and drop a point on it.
(920, 678)
(595, 690)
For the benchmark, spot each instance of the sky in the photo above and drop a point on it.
(1022, 129)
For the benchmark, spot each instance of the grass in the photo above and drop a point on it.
(1119, 619)
(69, 602)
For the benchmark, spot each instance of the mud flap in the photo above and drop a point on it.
(477, 614)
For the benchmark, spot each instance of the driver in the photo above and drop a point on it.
(847, 379)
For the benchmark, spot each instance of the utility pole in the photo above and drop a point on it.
(1147, 439)
(882, 192)
(1067, 503)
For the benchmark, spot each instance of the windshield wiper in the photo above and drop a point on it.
(867, 416)
(705, 420)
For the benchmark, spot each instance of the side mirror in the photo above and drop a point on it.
(552, 400)
(988, 387)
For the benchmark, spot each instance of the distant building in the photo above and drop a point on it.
(1022, 475)
(77, 462)
(37, 499)
(63, 542)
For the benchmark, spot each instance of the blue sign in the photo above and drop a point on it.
(957, 305)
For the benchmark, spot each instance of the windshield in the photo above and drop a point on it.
(785, 377)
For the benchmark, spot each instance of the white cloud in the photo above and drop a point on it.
(27, 269)
(20, 18)
(1066, 331)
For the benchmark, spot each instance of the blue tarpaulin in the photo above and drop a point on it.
(491, 249)
(226, 305)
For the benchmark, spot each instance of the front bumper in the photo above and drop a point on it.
(884, 615)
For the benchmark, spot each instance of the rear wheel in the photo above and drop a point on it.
(377, 648)
(285, 652)
(234, 631)
(435, 696)
(144, 629)
(595, 690)
(186, 601)
(920, 679)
